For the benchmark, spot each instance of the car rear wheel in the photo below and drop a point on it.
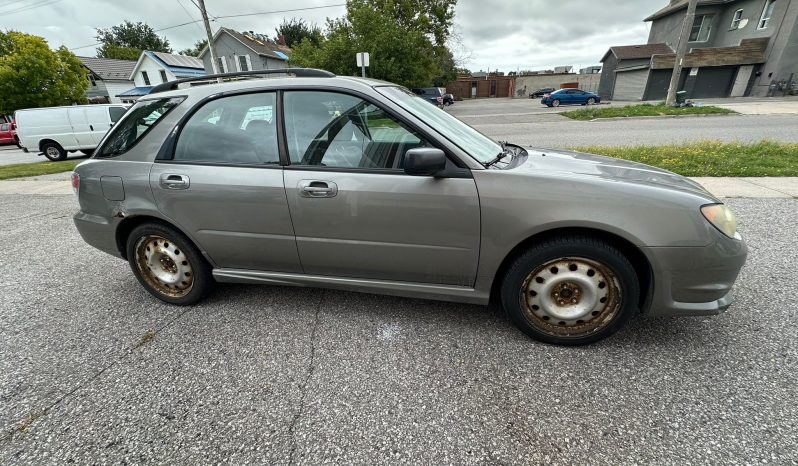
(555, 103)
(574, 290)
(591, 101)
(54, 151)
(168, 265)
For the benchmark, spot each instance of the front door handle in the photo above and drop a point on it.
(173, 181)
(91, 127)
(316, 188)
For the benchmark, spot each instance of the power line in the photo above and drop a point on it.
(281, 11)
(30, 6)
(189, 14)
(222, 17)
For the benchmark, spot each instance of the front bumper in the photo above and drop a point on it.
(695, 281)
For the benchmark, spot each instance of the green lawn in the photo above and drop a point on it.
(597, 111)
(712, 158)
(20, 170)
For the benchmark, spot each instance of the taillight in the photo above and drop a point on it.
(75, 182)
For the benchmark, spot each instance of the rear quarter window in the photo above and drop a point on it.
(137, 122)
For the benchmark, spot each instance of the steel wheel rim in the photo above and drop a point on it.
(53, 152)
(556, 103)
(164, 266)
(571, 297)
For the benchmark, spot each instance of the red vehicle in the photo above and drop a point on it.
(8, 133)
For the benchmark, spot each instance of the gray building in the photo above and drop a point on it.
(236, 51)
(107, 78)
(736, 48)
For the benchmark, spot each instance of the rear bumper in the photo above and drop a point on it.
(98, 232)
(695, 281)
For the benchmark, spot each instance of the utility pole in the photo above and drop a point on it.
(214, 64)
(681, 51)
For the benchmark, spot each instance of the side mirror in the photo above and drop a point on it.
(424, 161)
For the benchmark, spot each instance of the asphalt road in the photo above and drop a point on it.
(93, 370)
(526, 122)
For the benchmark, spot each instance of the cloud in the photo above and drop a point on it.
(503, 34)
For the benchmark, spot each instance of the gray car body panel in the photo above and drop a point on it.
(427, 237)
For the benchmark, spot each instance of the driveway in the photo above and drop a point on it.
(94, 370)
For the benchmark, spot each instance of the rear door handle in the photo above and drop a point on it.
(173, 181)
(316, 188)
(91, 127)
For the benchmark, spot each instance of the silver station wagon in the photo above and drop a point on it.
(309, 179)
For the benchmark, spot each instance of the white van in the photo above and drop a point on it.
(55, 130)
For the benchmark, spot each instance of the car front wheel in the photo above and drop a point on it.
(555, 103)
(168, 265)
(574, 290)
(591, 101)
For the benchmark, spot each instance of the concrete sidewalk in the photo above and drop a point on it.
(775, 187)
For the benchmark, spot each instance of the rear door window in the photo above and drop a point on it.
(138, 121)
(238, 129)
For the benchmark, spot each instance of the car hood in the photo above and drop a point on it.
(569, 163)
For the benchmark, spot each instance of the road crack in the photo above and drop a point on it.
(23, 425)
(303, 388)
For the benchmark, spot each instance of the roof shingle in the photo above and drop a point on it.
(632, 52)
(109, 69)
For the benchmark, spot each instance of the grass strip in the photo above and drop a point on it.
(711, 158)
(594, 112)
(21, 170)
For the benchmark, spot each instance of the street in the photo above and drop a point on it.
(93, 369)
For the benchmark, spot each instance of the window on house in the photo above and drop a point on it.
(738, 17)
(163, 76)
(244, 63)
(766, 14)
(221, 64)
(92, 81)
(145, 78)
(702, 26)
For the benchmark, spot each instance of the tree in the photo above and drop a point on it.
(32, 75)
(196, 49)
(129, 40)
(400, 40)
(294, 31)
(433, 17)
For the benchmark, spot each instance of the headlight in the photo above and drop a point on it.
(721, 217)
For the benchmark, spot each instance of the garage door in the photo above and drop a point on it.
(630, 85)
(713, 82)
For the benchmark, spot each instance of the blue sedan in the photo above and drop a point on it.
(570, 97)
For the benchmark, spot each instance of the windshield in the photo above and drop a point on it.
(463, 136)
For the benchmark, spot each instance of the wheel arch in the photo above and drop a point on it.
(42, 142)
(634, 254)
(129, 223)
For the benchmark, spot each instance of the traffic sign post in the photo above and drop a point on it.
(363, 62)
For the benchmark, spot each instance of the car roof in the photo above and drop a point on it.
(201, 91)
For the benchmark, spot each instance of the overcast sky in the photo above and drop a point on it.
(503, 34)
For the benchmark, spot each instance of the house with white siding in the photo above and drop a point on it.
(107, 78)
(244, 51)
(153, 68)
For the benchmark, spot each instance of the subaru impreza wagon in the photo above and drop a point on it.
(309, 179)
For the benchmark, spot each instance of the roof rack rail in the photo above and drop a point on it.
(298, 72)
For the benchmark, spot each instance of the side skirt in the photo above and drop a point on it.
(458, 294)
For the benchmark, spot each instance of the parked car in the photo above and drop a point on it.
(55, 130)
(433, 95)
(541, 92)
(355, 184)
(8, 133)
(570, 97)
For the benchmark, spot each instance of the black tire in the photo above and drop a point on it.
(604, 278)
(180, 261)
(88, 152)
(555, 102)
(54, 151)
